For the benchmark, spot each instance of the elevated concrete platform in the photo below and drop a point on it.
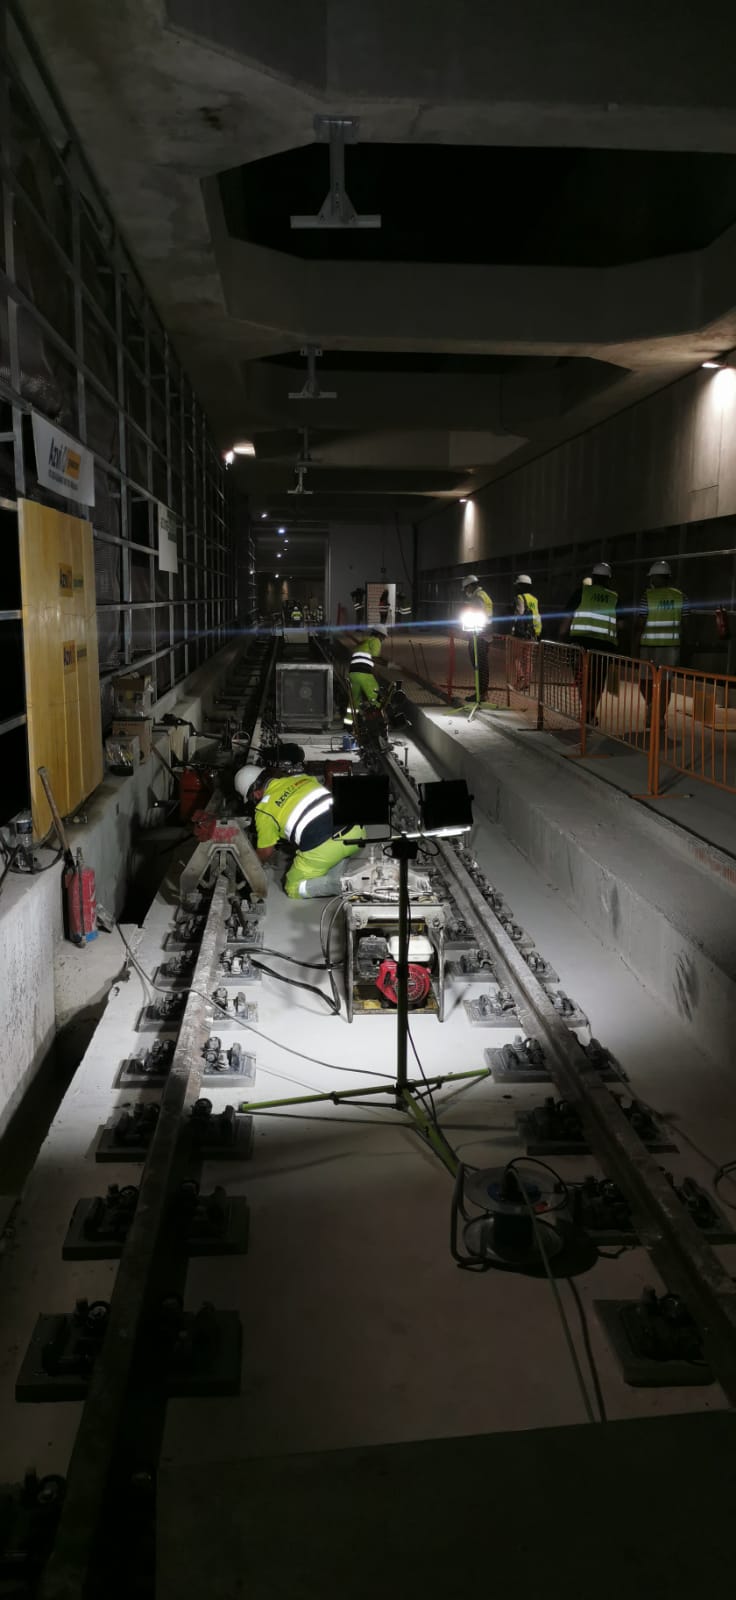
(660, 897)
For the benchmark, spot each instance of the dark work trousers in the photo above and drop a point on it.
(597, 671)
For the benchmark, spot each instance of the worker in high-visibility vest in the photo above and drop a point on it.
(298, 809)
(527, 627)
(475, 598)
(403, 606)
(363, 683)
(658, 633)
(358, 598)
(593, 625)
(527, 622)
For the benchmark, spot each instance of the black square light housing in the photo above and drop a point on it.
(360, 800)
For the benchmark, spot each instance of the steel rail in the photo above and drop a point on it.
(93, 1456)
(685, 1260)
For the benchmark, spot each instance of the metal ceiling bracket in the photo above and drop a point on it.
(311, 389)
(338, 210)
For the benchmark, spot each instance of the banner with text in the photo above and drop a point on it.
(62, 463)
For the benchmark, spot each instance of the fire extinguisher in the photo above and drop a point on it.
(79, 881)
(723, 626)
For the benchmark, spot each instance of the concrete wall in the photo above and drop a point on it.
(669, 460)
(358, 554)
(31, 919)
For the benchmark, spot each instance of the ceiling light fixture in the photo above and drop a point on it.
(714, 362)
(229, 457)
(263, 514)
(281, 530)
(246, 447)
(463, 499)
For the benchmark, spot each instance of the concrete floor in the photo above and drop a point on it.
(358, 1328)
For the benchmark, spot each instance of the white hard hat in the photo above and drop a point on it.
(471, 578)
(523, 577)
(245, 777)
(601, 570)
(660, 569)
(380, 630)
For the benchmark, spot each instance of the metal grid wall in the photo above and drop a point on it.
(81, 343)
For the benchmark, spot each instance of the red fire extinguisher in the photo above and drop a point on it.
(81, 901)
(79, 881)
(723, 626)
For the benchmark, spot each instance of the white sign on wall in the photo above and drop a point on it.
(168, 556)
(62, 463)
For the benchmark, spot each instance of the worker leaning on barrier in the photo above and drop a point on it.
(364, 685)
(658, 632)
(298, 809)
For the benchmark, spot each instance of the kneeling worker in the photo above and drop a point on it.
(364, 685)
(298, 808)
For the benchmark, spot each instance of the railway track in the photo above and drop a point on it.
(147, 1339)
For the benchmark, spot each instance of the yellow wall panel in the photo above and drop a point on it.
(61, 659)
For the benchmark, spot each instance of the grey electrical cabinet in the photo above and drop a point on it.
(303, 695)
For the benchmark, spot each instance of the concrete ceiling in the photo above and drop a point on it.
(491, 362)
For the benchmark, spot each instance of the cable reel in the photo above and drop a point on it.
(502, 1232)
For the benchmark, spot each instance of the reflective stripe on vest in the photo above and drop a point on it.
(664, 617)
(311, 806)
(293, 804)
(361, 661)
(596, 614)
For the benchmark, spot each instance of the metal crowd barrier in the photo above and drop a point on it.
(675, 717)
(694, 726)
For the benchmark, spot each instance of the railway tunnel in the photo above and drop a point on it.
(383, 1235)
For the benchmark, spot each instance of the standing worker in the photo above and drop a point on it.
(384, 606)
(363, 683)
(403, 606)
(527, 619)
(298, 809)
(526, 626)
(358, 598)
(476, 599)
(594, 626)
(296, 615)
(658, 633)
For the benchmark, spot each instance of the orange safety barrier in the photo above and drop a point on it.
(616, 694)
(673, 716)
(694, 726)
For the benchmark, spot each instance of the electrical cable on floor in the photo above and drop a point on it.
(585, 1330)
(538, 1232)
(361, 1072)
(295, 983)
